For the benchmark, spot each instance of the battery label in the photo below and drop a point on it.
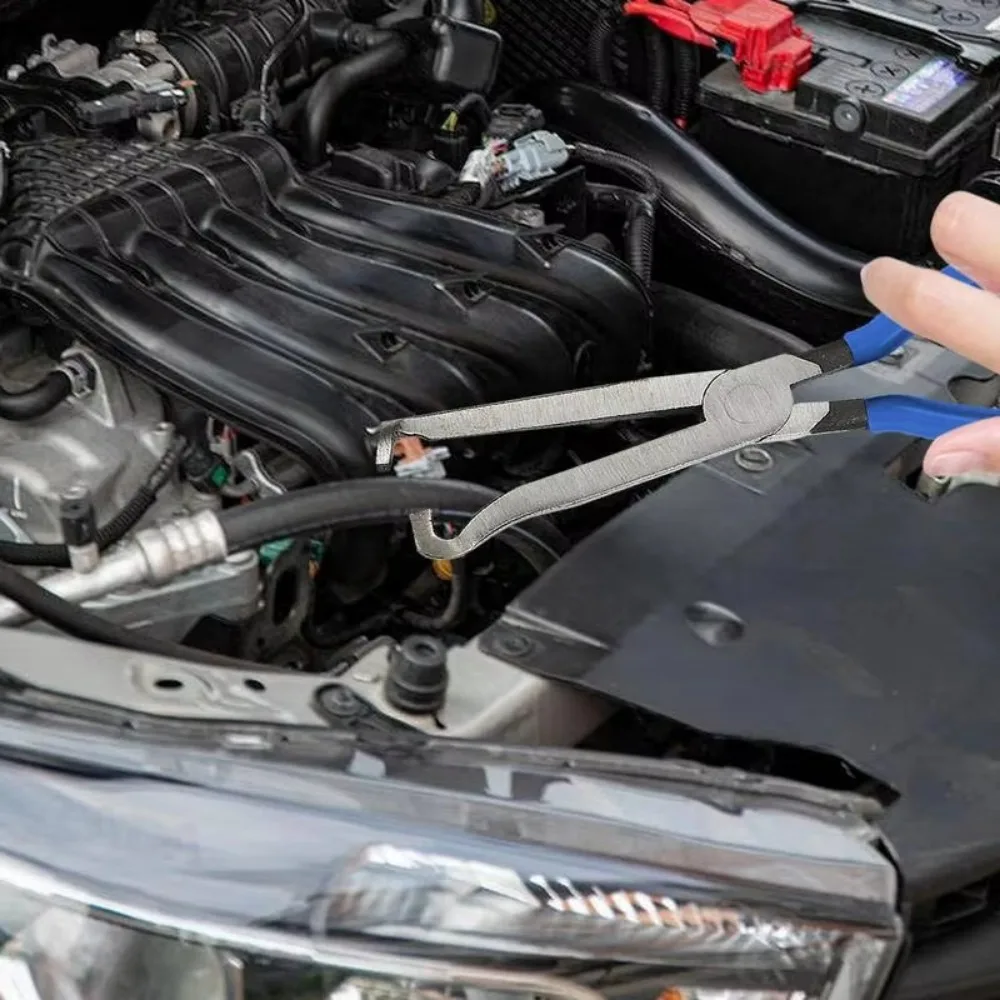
(932, 83)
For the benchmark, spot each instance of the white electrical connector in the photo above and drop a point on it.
(427, 464)
(534, 156)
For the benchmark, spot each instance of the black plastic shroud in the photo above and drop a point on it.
(305, 310)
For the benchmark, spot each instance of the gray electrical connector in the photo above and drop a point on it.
(532, 157)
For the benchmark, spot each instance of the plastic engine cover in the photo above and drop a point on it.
(804, 594)
(304, 310)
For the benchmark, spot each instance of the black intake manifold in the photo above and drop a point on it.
(304, 310)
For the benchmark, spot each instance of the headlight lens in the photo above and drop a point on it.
(419, 872)
(401, 923)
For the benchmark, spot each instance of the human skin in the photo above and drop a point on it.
(966, 233)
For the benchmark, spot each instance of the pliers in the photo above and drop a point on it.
(741, 406)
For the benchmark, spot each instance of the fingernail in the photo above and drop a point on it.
(870, 268)
(955, 463)
(950, 215)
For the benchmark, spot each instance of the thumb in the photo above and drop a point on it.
(974, 448)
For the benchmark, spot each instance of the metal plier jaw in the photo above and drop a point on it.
(742, 406)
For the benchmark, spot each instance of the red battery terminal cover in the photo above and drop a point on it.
(760, 36)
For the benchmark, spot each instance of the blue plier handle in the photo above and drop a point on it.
(742, 406)
(912, 415)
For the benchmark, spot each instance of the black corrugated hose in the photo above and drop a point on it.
(657, 67)
(642, 217)
(600, 58)
(685, 86)
(57, 555)
(600, 54)
(640, 234)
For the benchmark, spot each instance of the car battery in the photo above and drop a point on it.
(898, 106)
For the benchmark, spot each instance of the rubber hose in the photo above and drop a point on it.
(685, 81)
(82, 624)
(473, 102)
(599, 52)
(375, 501)
(336, 83)
(451, 615)
(57, 555)
(36, 401)
(358, 502)
(696, 334)
(726, 236)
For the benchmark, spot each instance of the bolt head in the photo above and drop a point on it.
(339, 701)
(513, 645)
(754, 459)
(848, 116)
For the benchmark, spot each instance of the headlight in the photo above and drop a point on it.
(729, 902)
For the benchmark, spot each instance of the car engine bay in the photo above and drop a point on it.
(235, 235)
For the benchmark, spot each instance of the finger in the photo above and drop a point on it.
(974, 448)
(964, 231)
(932, 305)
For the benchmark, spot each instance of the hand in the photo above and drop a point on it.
(966, 233)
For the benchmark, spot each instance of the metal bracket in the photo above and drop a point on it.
(487, 698)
